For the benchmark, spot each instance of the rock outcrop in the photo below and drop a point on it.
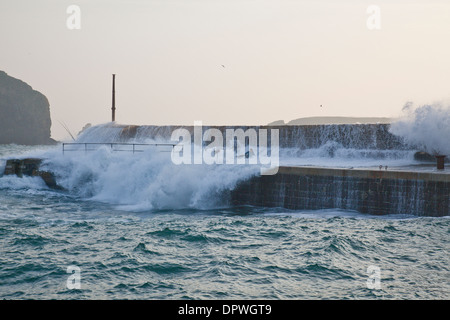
(24, 113)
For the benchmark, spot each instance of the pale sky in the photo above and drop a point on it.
(232, 62)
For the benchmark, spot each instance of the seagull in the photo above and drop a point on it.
(321, 106)
(223, 66)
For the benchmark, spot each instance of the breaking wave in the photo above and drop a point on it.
(427, 127)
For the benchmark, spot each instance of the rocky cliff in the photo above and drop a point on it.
(24, 113)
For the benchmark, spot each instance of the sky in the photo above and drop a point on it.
(226, 62)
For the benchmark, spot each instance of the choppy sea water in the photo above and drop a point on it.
(52, 241)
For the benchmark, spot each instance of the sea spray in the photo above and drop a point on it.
(426, 127)
(107, 132)
(144, 181)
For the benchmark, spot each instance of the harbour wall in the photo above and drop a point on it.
(376, 192)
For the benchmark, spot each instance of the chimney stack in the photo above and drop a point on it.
(440, 162)
(114, 98)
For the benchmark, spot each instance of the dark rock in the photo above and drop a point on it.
(30, 167)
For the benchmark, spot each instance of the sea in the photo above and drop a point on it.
(136, 226)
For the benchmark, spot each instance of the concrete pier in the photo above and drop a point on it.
(371, 191)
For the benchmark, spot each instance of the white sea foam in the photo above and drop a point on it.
(333, 154)
(28, 183)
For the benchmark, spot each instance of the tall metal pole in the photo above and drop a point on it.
(114, 98)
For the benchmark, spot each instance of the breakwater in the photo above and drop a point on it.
(377, 192)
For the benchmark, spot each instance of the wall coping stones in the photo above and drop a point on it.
(366, 173)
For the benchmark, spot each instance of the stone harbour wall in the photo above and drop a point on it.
(375, 192)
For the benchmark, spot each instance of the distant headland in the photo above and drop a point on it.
(332, 120)
(25, 113)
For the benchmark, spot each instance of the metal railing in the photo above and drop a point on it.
(130, 147)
